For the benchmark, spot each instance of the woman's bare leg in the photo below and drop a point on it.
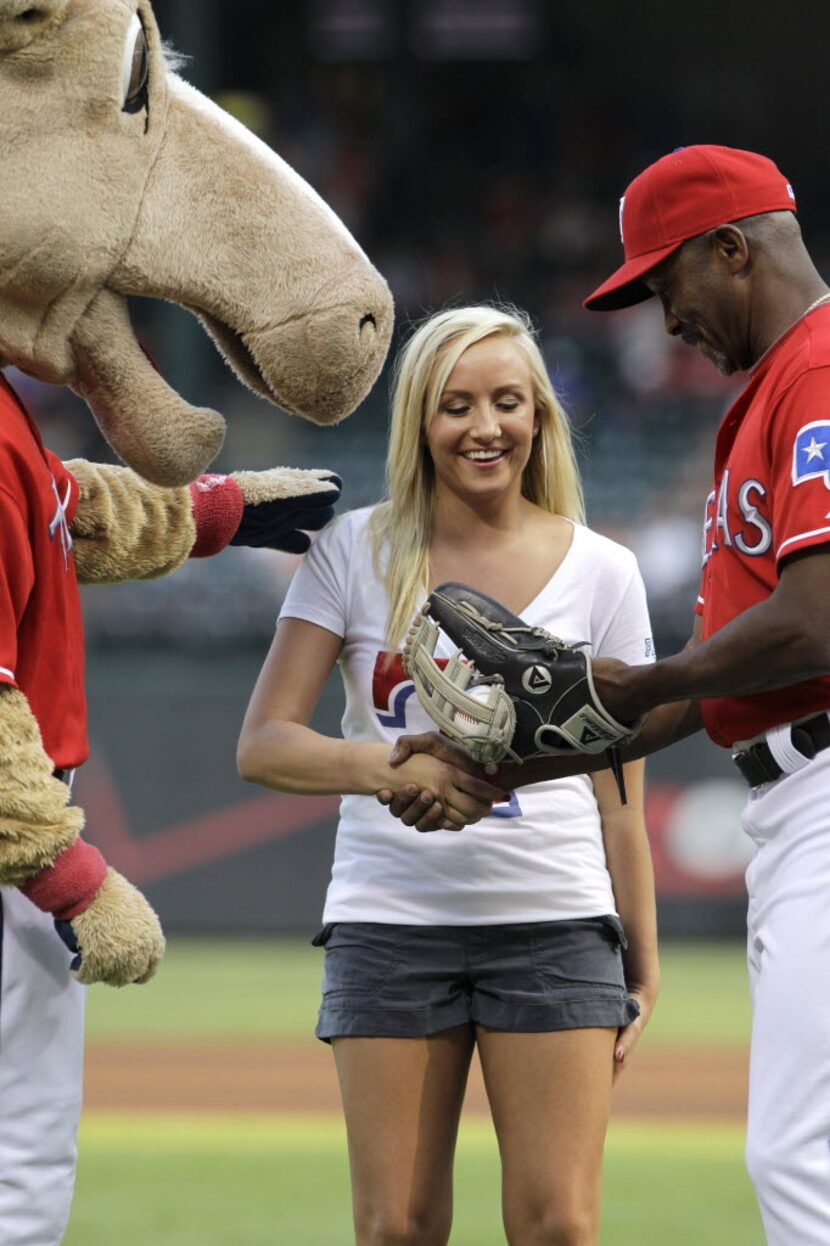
(402, 1101)
(550, 1098)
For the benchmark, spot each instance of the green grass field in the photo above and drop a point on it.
(206, 1180)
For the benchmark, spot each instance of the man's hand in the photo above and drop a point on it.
(438, 746)
(422, 807)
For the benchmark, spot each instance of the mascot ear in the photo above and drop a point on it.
(21, 21)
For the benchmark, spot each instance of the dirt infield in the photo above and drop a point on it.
(702, 1084)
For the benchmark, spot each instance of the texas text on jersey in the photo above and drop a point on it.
(771, 499)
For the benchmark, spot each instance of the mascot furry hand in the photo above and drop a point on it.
(120, 179)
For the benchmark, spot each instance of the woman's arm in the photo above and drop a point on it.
(632, 877)
(278, 749)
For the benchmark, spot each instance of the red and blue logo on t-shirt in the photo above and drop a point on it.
(392, 688)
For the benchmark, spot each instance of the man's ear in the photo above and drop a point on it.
(730, 247)
(21, 21)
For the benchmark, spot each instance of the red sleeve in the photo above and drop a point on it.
(68, 487)
(800, 458)
(16, 581)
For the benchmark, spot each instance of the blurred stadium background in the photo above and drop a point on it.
(477, 149)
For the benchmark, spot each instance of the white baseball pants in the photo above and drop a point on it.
(41, 1075)
(788, 1132)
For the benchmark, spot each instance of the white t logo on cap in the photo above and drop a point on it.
(622, 205)
(790, 191)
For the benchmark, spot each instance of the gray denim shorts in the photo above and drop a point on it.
(389, 981)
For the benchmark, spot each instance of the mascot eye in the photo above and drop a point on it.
(135, 68)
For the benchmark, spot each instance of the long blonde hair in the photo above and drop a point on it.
(402, 525)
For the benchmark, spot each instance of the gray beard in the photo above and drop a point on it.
(725, 366)
(721, 361)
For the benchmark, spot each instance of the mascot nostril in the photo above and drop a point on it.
(168, 198)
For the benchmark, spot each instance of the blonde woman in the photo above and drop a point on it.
(507, 937)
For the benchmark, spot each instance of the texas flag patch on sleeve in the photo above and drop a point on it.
(811, 452)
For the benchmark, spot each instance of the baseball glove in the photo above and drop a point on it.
(511, 690)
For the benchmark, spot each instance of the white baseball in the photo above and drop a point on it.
(465, 722)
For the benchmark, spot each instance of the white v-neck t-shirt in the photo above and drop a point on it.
(540, 857)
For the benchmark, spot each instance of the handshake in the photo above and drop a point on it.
(510, 694)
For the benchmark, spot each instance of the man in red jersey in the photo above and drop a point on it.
(711, 232)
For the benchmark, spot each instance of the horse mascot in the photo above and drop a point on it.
(120, 179)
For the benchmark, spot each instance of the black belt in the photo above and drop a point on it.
(757, 764)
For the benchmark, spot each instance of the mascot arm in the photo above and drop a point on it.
(37, 822)
(125, 528)
(115, 932)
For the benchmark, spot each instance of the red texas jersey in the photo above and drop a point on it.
(771, 498)
(41, 634)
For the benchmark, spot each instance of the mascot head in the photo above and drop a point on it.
(118, 179)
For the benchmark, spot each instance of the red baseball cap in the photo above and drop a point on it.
(680, 196)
